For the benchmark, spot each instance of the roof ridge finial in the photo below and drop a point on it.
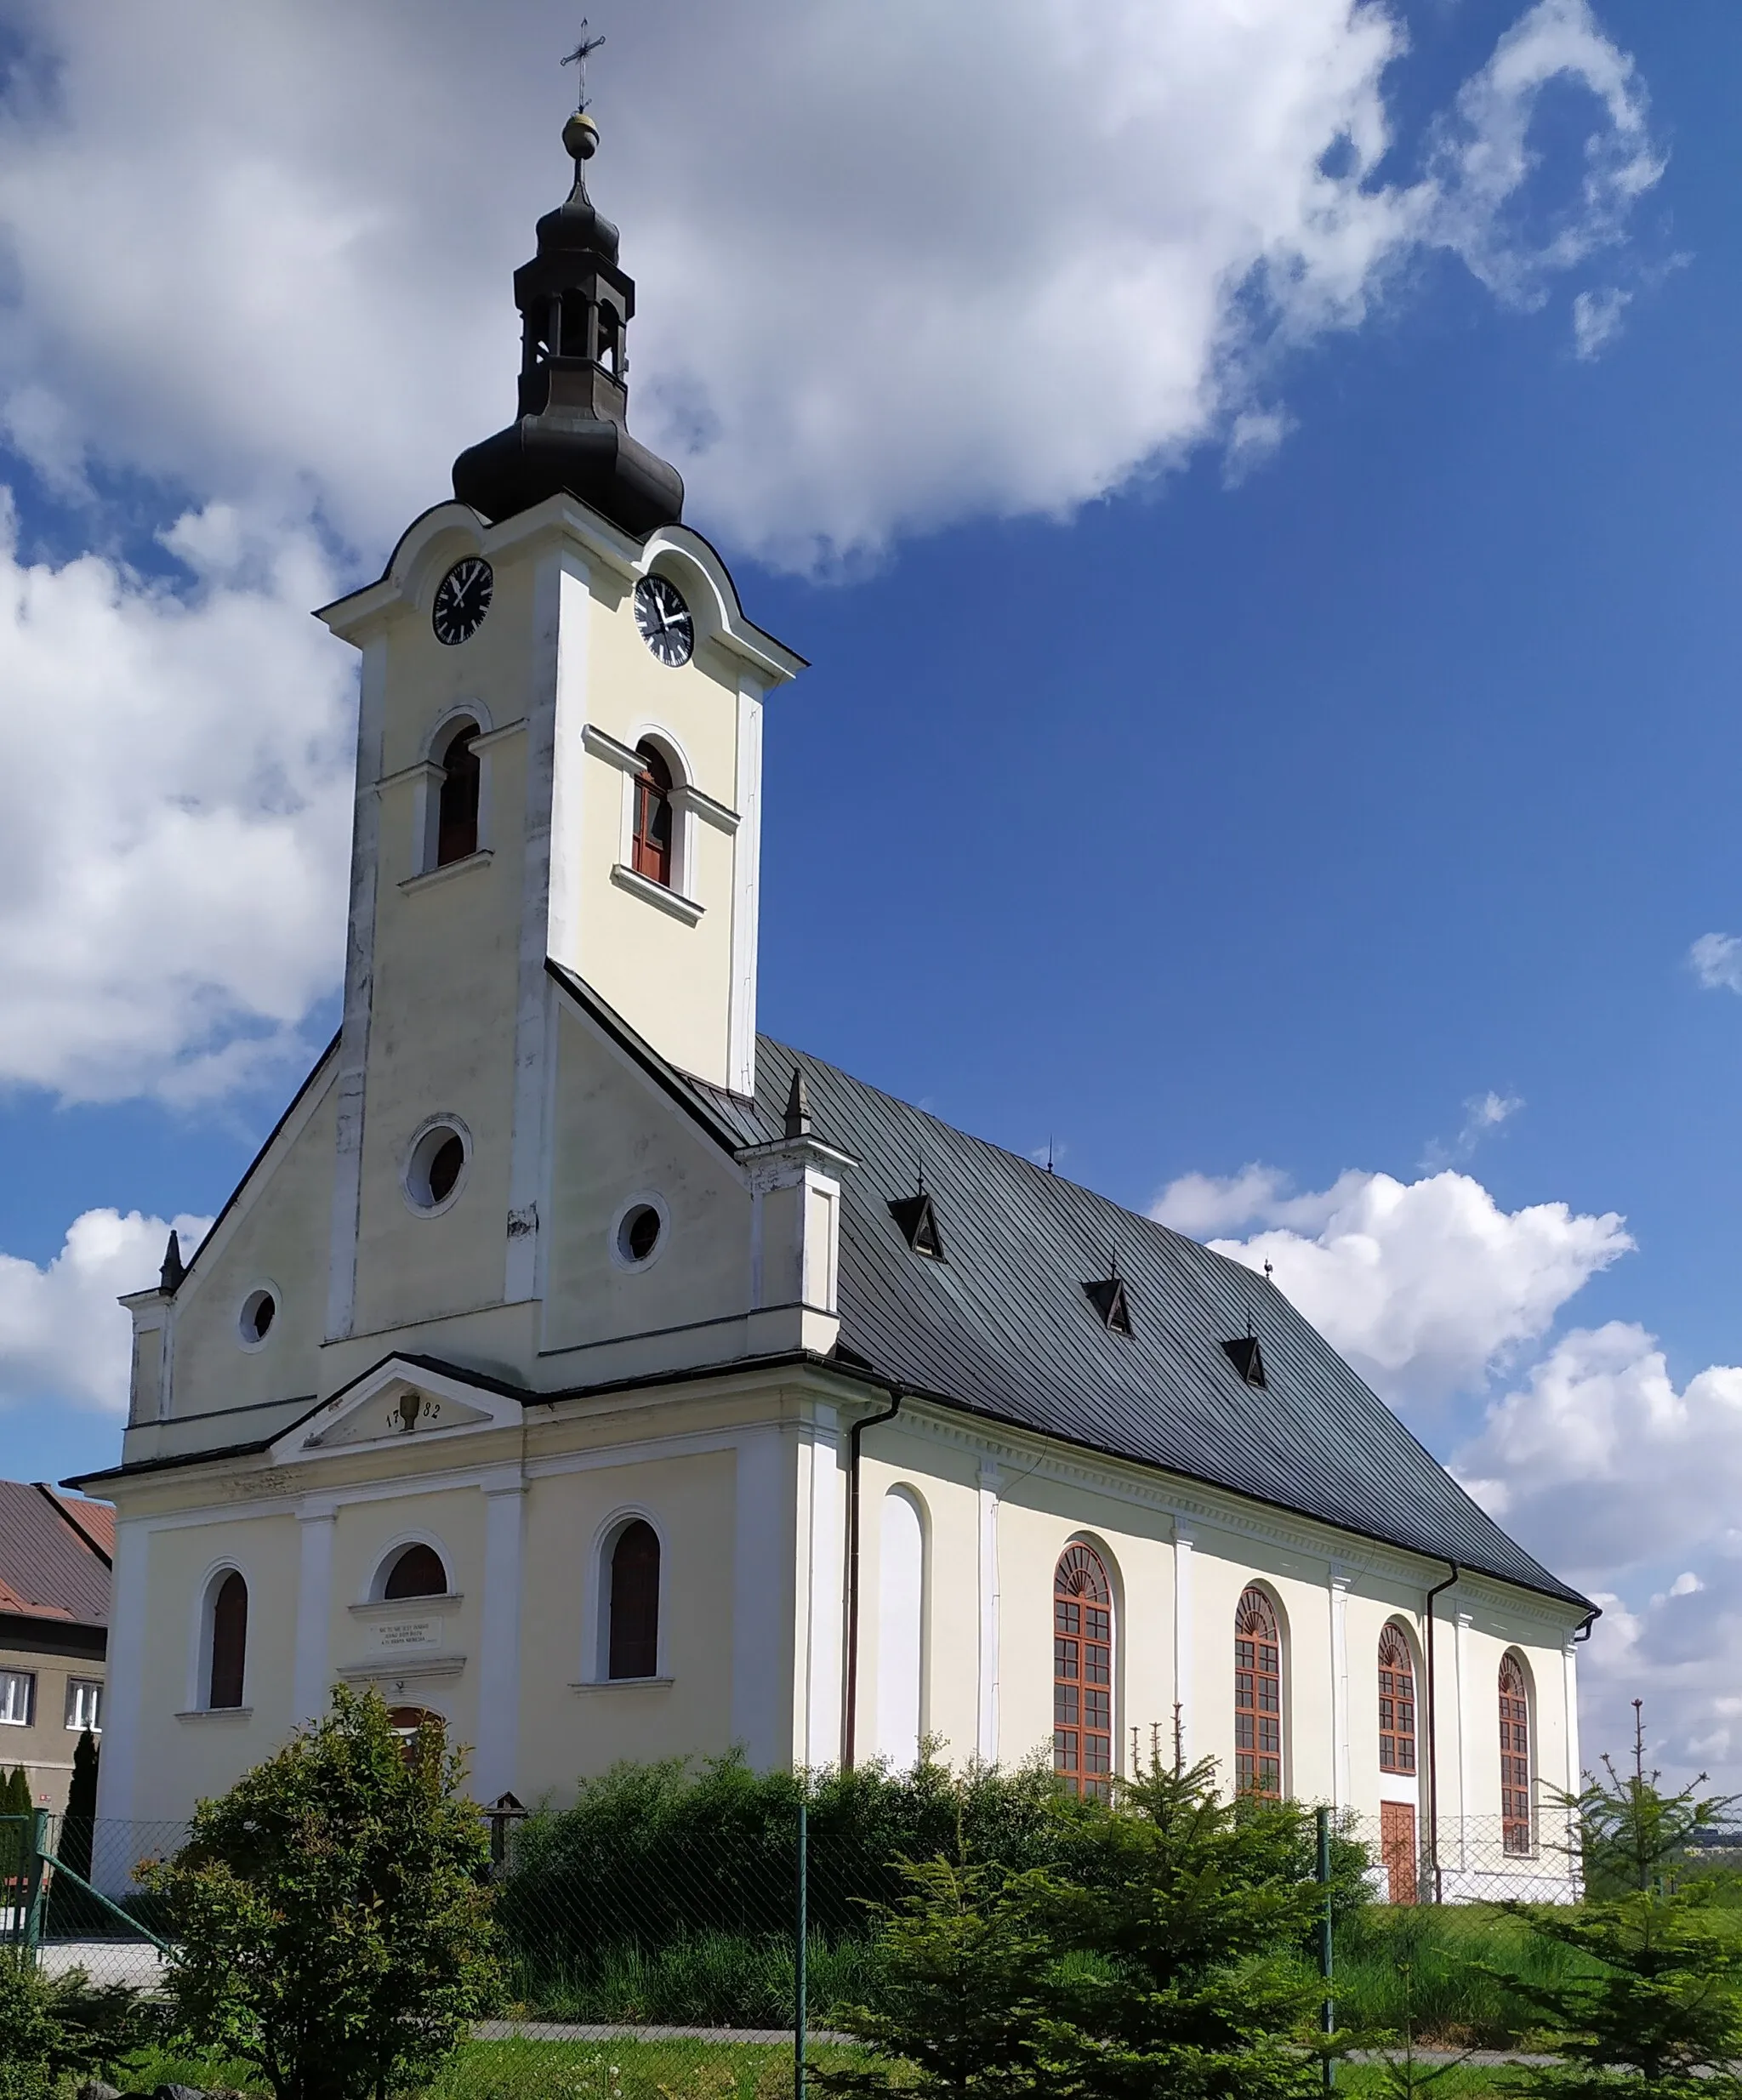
(797, 1105)
(174, 1268)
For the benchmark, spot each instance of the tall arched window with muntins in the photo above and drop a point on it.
(632, 1643)
(1082, 1673)
(226, 1664)
(417, 1572)
(651, 853)
(456, 815)
(1515, 1756)
(1397, 1702)
(1258, 1697)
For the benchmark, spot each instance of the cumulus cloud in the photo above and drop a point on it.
(62, 1335)
(868, 238)
(1716, 959)
(1425, 1286)
(172, 888)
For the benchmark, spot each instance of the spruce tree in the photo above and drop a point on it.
(77, 1828)
(1660, 2017)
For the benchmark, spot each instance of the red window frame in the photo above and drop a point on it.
(1082, 1673)
(1397, 1702)
(1515, 1756)
(1258, 1697)
(651, 854)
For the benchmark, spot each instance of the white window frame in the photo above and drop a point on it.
(18, 1688)
(76, 1702)
(426, 802)
(595, 1625)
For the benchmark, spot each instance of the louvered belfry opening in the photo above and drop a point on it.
(634, 1644)
(230, 1641)
(1082, 1673)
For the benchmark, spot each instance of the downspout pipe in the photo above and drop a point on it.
(849, 1714)
(1433, 1738)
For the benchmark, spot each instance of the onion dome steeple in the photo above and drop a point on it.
(572, 432)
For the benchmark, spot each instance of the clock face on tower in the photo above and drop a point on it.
(461, 600)
(664, 620)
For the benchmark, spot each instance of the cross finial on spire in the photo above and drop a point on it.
(577, 58)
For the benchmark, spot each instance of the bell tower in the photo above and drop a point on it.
(559, 761)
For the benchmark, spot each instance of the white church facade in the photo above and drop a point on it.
(579, 1367)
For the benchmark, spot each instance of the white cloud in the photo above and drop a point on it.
(61, 1333)
(172, 885)
(869, 238)
(1596, 319)
(1425, 1286)
(1483, 1114)
(1716, 959)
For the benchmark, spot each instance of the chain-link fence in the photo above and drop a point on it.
(70, 1899)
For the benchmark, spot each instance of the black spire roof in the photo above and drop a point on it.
(572, 432)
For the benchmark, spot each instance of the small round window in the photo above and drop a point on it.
(436, 1167)
(638, 1234)
(258, 1311)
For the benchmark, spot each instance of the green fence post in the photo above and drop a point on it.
(33, 1904)
(1324, 1945)
(802, 1933)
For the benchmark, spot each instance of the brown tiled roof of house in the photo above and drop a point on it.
(54, 1555)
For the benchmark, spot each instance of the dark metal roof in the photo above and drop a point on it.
(1003, 1328)
(52, 1563)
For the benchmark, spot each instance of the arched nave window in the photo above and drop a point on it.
(1397, 1702)
(652, 836)
(1258, 1697)
(227, 1661)
(457, 807)
(1515, 1756)
(633, 1645)
(1082, 1673)
(417, 1572)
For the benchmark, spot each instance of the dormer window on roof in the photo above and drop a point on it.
(1247, 1358)
(919, 1224)
(1107, 1296)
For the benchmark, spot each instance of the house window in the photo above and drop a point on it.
(633, 1646)
(1515, 1757)
(457, 814)
(230, 1641)
(84, 1704)
(418, 1572)
(652, 851)
(1082, 1673)
(17, 1697)
(1258, 1697)
(1397, 1703)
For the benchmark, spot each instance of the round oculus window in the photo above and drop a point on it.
(437, 1162)
(664, 620)
(258, 1311)
(638, 1234)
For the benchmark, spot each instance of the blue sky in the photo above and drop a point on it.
(1273, 781)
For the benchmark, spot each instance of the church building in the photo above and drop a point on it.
(577, 1365)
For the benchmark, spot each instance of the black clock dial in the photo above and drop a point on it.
(664, 620)
(461, 600)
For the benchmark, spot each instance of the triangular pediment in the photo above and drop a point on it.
(394, 1404)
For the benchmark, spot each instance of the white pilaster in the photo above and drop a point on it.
(825, 1629)
(123, 1695)
(760, 1534)
(985, 1739)
(1463, 1701)
(497, 1757)
(1183, 1543)
(1575, 1777)
(1341, 1791)
(314, 1608)
(746, 901)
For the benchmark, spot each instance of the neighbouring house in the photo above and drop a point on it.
(56, 1555)
(579, 1366)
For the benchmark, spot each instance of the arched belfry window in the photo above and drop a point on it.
(633, 1642)
(1515, 1756)
(227, 1659)
(1258, 1697)
(457, 818)
(1397, 1702)
(417, 1572)
(653, 841)
(1082, 1673)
